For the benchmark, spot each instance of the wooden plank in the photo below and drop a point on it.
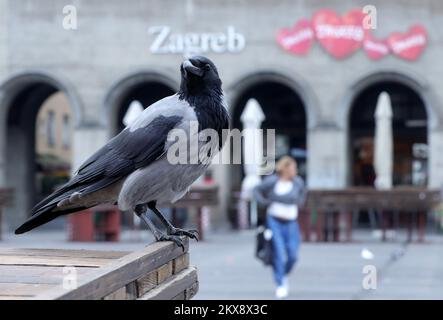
(119, 273)
(62, 253)
(154, 278)
(177, 283)
(2, 297)
(146, 283)
(23, 289)
(164, 272)
(37, 274)
(191, 291)
(180, 296)
(53, 261)
(180, 263)
(119, 294)
(131, 291)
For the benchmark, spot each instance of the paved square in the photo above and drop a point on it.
(227, 267)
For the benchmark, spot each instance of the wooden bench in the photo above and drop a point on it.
(159, 271)
(100, 223)
(198, 197)
(410, 201)
(83, 227)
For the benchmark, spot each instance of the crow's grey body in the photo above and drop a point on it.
(161, 174)
(133, 167)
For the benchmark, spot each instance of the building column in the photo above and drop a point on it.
(435, 169)
(19, 176)
(327, 159)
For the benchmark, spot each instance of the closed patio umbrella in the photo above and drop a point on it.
(383, 148)
(134, 111)
(251, 118)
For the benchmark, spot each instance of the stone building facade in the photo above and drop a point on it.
(114, 56)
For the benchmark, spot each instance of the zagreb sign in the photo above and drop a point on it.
(167, 42)
(341, 36)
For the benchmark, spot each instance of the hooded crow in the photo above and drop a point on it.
(133, 169)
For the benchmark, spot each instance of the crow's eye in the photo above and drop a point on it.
(207, 67)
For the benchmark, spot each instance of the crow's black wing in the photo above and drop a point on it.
(124, 154)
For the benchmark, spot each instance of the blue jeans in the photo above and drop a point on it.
(285, 241)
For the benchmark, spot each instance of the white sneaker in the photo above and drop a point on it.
(281, 292)
(286, 284)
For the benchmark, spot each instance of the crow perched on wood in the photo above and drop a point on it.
(133, 169)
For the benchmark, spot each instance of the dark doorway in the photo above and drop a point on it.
(38, 143)
(284, 112)
(409, 124)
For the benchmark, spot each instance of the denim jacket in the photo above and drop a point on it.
(265, 195)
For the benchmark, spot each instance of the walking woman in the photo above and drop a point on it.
(283, 194)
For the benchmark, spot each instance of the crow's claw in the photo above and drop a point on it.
(174, 238)
(193, 234)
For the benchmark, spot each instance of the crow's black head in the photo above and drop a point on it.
(199, 77)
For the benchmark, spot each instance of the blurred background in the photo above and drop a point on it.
(74, 73)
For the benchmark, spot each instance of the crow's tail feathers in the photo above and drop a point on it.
(47, 209)
(44, 216)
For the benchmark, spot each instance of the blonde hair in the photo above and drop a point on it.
(283, 163)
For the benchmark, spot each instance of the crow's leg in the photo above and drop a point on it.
(141, 211)
(170, 229)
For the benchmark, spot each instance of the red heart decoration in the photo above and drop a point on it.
(298, 39)
(375, 48)
(409, 45)
(339, 36)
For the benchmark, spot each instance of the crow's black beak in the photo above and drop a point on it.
(189, 67)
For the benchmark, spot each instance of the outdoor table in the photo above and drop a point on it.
(199, 196)
(82, 226)
(343, 202)
(99, 223)
(6, 196)
(159, 271)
